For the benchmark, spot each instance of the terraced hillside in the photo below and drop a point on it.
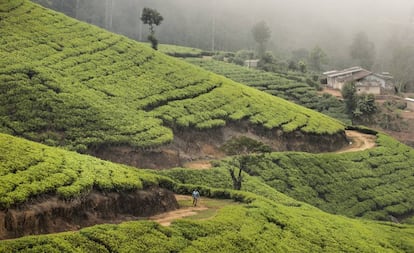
(290, 87)
(66, 83)
(271, 222)
(374, 184)
(45, 189)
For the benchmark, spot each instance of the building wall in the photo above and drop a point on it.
(410, 105)
(334, 83)
(376, 79)
(376, 90)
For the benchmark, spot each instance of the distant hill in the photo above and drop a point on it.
(66, 83)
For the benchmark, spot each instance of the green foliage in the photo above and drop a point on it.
(179, 51)
(289, 86)
(372, 184)
(241, 56)
(360, 107)
(70, 84)
(261, 34)
(244, 145)
(264, 221)
(349, 94)
(151, 17)
(28, 170)
(261, 225)
(317, 58)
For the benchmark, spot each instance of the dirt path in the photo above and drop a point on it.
(206, 209)
(165, 219)
(198, 165)
(358, 142)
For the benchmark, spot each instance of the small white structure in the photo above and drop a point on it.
(410, 104)
(365, 81)
(251, 63)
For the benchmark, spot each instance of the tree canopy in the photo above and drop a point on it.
(151, 17)
(362, 50)
(317, 58)
(261, 34)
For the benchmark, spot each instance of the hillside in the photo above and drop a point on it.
(70, 84)
(46, 190)
(265, 223)
(292, 87)
(376, 183)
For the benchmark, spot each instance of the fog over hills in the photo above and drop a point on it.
(227, 24)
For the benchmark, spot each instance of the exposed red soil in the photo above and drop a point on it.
(52, 215)
(198, 165)
(358, 141)
(193, 145)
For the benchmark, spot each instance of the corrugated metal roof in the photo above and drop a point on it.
(355, 77)
(335, 73)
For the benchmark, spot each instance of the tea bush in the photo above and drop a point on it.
(297, 89)
(67, 83)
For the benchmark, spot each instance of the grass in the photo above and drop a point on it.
(67, 83)
(212, 205)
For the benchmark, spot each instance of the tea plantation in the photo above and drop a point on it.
(69, 84)
(288, 86)
(66, 83)
(372, 184)
(266, 221)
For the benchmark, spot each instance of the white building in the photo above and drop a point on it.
(365, 81)
(251, 63)
(410, 104)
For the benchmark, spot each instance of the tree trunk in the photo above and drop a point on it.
(237, 181)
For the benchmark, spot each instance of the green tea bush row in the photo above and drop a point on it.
(29, 170)
(282, 85)
(261, 225)
(374, 183)
(70, 84)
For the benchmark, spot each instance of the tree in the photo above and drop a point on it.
(243, 147)
(152, 18)
(402, 65)
(359, 107)
(317, 58)
(349, 94)
(362, 50)
(261, 34)
(302, 66)
(239, 163)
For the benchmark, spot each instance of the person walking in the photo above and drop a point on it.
(196, 196)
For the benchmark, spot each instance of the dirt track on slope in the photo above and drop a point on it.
(165, 219)
(358, 142)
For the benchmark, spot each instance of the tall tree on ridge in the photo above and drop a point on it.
(152, 18)
(261, 34)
